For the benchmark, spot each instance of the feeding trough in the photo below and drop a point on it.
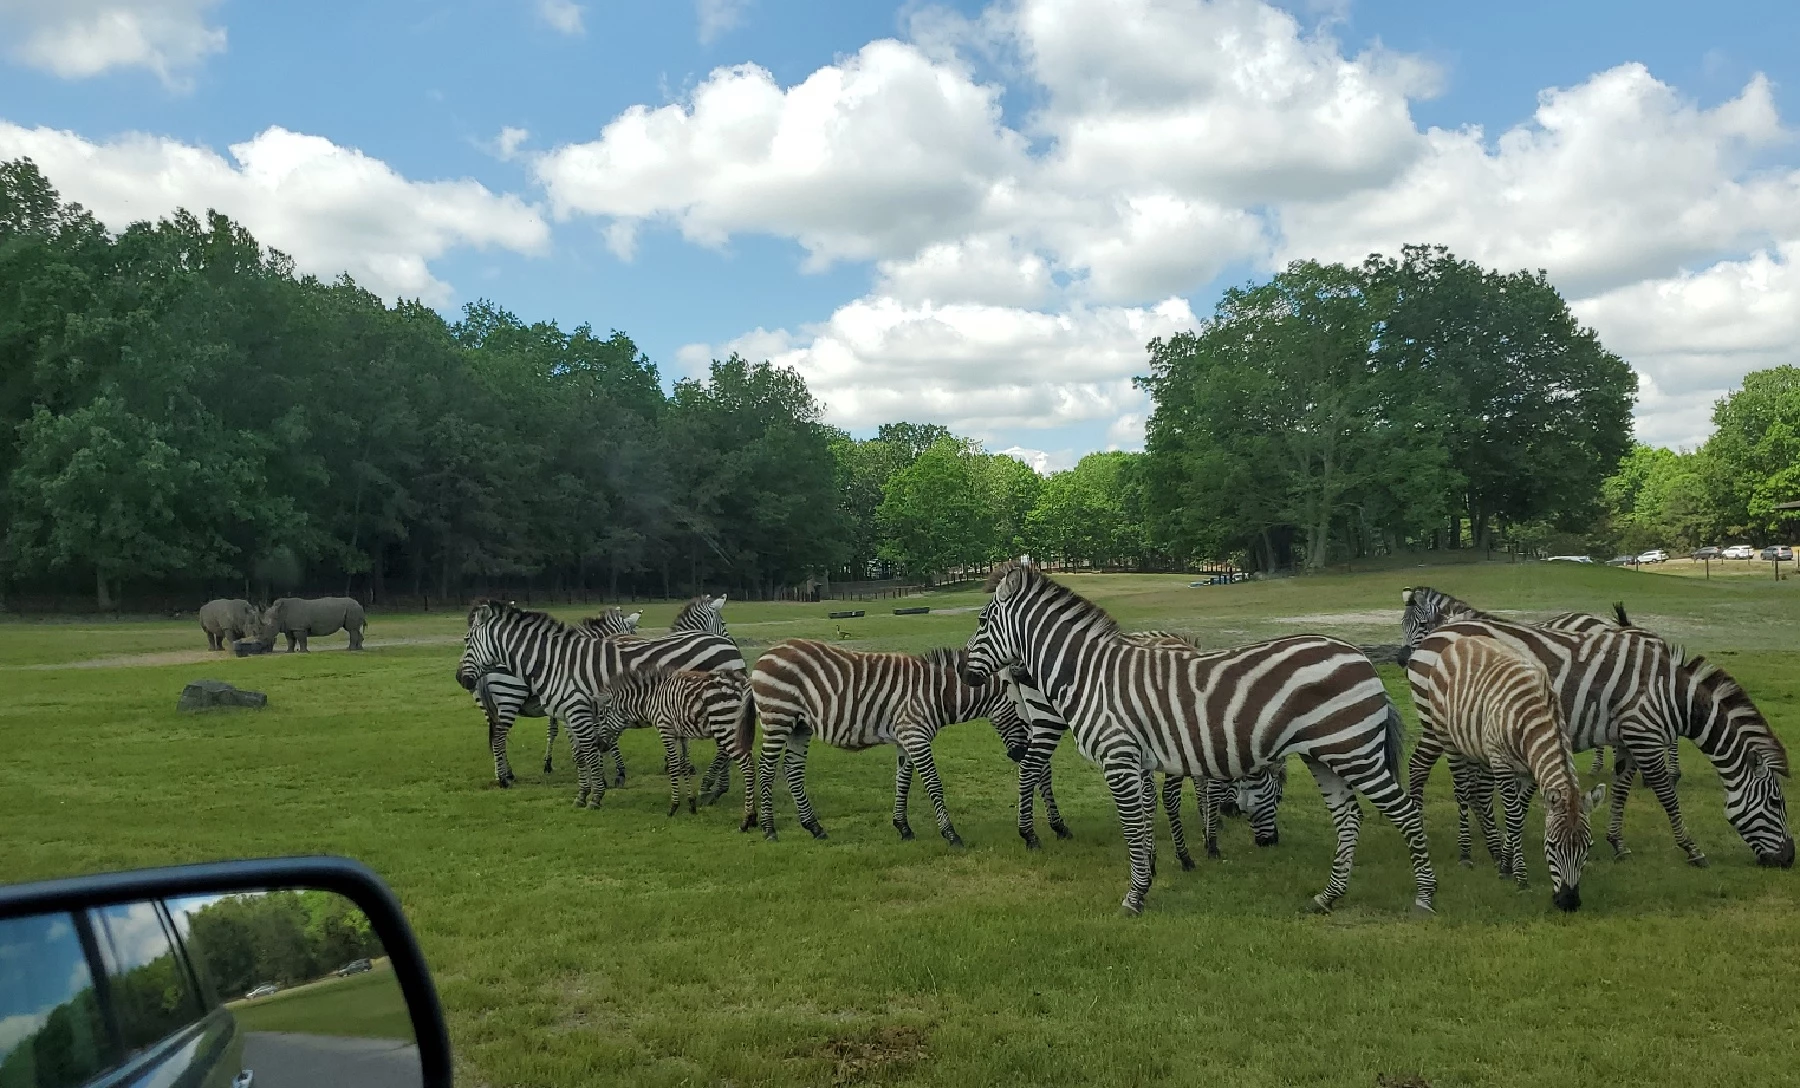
(856, 615)
(919, 611)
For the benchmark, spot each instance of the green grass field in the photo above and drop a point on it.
(622, 946)
(369, 1005)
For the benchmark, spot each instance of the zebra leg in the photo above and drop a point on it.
(585, 739)
(1623, 773)
(498, 726)
(774, 744)
(1481, 799)
(1125, 779)
(671, 764)
(1171, 799)
(1384, 791)
(1515, 796)
(549, 741)
(918, 749)
(748, 772)
(1346, 816)
(1050, 810)
(1265, 800)
(1674, 761)
(718, 776)
(903, 776)
(1463, 786)
(1656, 776)
(796, 778)
(1418, 769)
(1209, 815)
(1147, 798)
(1034, 773)
(1599, 760)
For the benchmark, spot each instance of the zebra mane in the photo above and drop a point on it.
(610, 622)
(1619, 614)
(1437, 603)
(944, 657)
(497, 609)
(1726, 692)
(1031, 579)
(1143, 637)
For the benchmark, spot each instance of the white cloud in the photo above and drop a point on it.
(80, 38)
(718, 17)
(1172, 140)
(333, 209)
(563, 16)
(1041, 462)
(507, 144)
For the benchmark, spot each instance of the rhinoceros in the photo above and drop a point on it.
(228, 618)
(300, 617)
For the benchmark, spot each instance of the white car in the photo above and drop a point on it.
(264, 990)
(1654, 555)
(1739, 551)
(1569, 559)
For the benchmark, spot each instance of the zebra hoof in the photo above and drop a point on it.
(1620, 851)
(1467, 863)
(953, 839)
(503, 783)
(1031, 841)
(1318, 905)
(1062, 831)
(692, 808)
(1131, 907)
(1187, 863)
(747, 825)
(1273, 839)
(1424, 910)
(769, 834)
(1699, 861)
(906, 833)
(547, 768)
(674, 808)
(818, 830)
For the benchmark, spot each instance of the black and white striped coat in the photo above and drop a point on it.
(1630, 689)
(853, 699)
(1223, 715)
(569, 669)
(504, 698)
(683, 706)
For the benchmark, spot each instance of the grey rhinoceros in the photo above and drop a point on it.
(228, 618)
(300, 617)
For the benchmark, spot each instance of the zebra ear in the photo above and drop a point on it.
(719, 604)
(1593, 798)
(1406, 595)
(632, 619)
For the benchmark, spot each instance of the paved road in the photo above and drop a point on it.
(283, 1059)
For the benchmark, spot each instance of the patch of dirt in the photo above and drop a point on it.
(869, 1059)
(1371, 618)
(195, 657)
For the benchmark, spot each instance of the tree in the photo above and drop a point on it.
(1755, 449)
(935, 513)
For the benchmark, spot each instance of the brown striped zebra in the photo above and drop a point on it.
(569, 669)
(685, 705)
(1225, 715)
(854, 699)
(1632, 690)
(1427, 608)
(1491, 707)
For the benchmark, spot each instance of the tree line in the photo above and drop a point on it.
(181, 413)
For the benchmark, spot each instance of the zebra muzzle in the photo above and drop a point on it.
(1567, 898)
(1778, 859)
(1017, 755)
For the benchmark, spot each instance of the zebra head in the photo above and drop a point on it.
(1426, 610)
(482, 649)
(613, 621)
(703, 613)
(994, 646)
(1567, 835)
(1749, 757)
(992, 699)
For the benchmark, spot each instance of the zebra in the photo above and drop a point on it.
(569, 669)
(703, 613)
(1491, 707)
(1426, 608)
(504, 697)
(1259, 794)
(1636, 692)
(1224, 715)
(854, 699)
(684, 705)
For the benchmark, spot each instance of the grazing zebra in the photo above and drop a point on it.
(855, 699)
(1427, 608)
(504, 697)
(1223, 715)
(1492, 708)
(685, 705)
(1260, 793)
(569, 669)
(1634, 691)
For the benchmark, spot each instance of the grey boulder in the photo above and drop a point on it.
(218, 695)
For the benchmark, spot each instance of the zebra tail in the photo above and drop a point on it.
(746, 722)
(1391, 741)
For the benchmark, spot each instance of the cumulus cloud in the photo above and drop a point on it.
(80, 38)
(507, 144)
(562, 16)
(718, 17)
(1041, 462)
(332, 208)
(1168, 141)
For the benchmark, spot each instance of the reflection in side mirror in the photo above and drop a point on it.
(128, 978)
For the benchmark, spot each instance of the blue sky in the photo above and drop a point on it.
(983, 220)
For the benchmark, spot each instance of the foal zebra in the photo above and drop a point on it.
(854, 700)
(1492, 708)
(569, 669)
(1260, 793)
(1223, 715)
(690, 706)
(504, 697)
(1634, 691)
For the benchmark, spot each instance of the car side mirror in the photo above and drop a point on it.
(265, 972)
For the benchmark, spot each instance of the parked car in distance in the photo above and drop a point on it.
(354, 967)
(1739, 551)
(264, 990)
(1707, 553)
(1779, 552)
(1569, 559)
(1654, 555)
(1622, 561)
